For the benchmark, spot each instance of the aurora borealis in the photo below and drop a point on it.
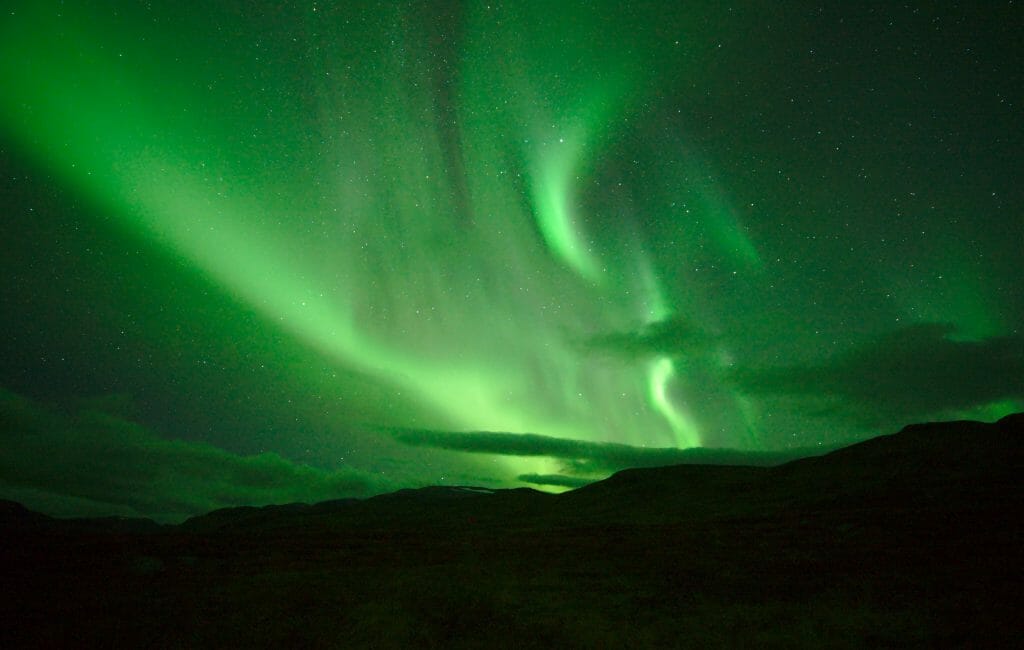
(308, 241)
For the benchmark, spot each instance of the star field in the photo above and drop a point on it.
(314, 241)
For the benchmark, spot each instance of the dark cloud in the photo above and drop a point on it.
(118, 467)
(559, 480)
(583, 457)
(671, 337)
(914, 372)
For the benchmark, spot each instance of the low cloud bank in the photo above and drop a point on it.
(581, 457)
(910, 374)
(59, 463)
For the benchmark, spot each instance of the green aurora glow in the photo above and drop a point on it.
(568, 219)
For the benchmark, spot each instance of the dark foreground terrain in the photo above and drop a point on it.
(909, 540)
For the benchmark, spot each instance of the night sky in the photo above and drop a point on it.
(301, 251)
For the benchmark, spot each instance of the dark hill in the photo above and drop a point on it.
(906, 540)
(13, 514)
(939, 465)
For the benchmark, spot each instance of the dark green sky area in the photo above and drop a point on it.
(266, 252)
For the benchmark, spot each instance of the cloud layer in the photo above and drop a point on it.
(915, 372)
(672, 337)
(581, 457)
(120, 467)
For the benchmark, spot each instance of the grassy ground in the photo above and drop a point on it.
(906, 541)
(854, 579)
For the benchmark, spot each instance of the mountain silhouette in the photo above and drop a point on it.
(906, 540)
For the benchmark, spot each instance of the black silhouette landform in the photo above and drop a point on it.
(906, 540)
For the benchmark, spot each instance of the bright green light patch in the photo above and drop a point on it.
(661, 374)
(374, 295)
